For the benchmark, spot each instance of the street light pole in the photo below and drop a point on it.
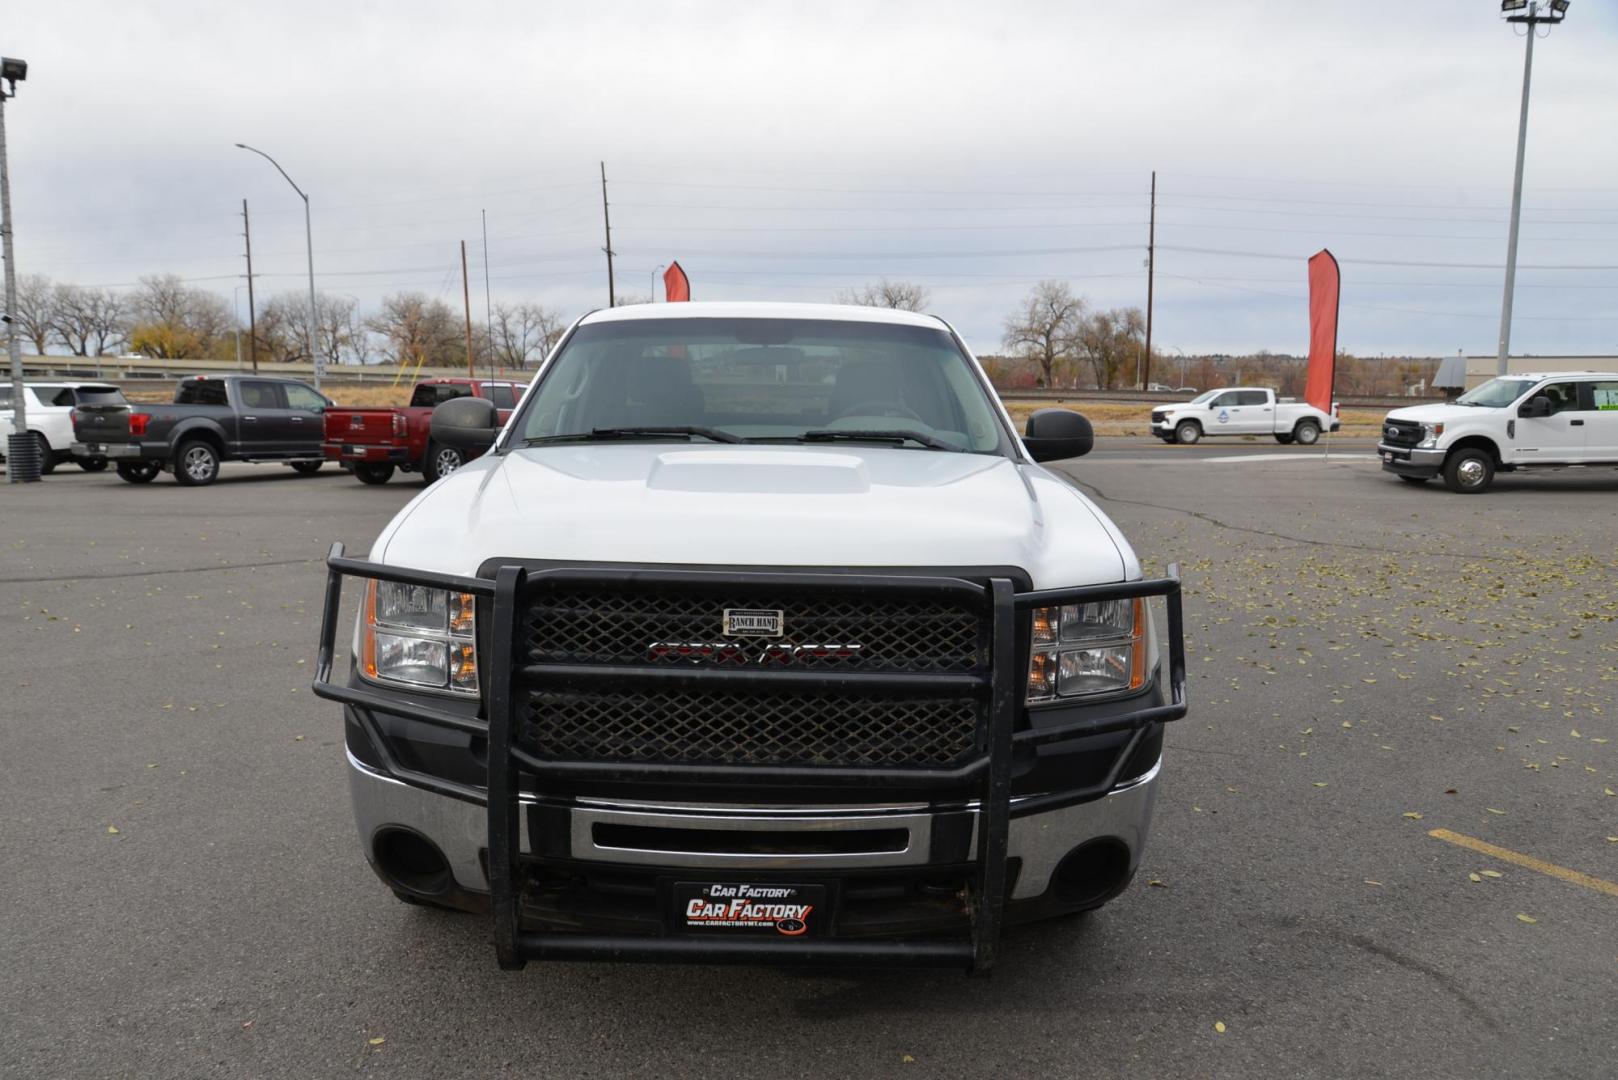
(655, 270)
(21, 467)
(309, 239)
(1551, 14)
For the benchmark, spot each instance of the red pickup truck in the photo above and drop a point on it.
(372, 443)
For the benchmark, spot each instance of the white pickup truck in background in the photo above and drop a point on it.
(1242, 410)
(1552, 420)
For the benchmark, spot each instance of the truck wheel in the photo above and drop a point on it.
(1469, 471)
(1188, 432)
(1307, 432)
(47, 456)
(196, 464)
(373, 473)
(306, 468)
(1284, 440)
(93, 464)
(441, 461)
(138, 472)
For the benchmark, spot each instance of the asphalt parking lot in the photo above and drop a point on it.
(1371, 663)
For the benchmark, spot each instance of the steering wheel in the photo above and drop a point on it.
(875, 407)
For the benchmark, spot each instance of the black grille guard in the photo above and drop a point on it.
(505, 680)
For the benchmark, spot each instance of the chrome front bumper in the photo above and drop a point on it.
(460, 829)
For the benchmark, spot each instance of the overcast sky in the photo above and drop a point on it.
(786, 150)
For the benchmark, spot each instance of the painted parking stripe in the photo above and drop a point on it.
(1528, 862)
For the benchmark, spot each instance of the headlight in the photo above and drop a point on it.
(1429, 436)
(1086, 649)
(420, 637)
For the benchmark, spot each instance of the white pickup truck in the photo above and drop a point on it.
(1549, 420)
(1242, 410)
(757, 635)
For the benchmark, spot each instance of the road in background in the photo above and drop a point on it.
(1370, 661)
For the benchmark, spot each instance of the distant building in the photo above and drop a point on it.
(1480, 369)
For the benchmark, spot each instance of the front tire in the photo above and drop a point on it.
(441, 461)
(138, 472)
(1307, 432)
(93, 464)
(1188, 433)
(1469, 471)
(373, 473)
(1284, 440)
(196, 464)
(306, 468)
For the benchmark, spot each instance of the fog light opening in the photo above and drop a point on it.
(1092, 873)
(411, 862)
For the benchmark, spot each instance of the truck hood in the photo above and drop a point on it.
(1441, 413)
(653, 503)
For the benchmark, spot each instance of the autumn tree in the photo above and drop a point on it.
(172, 320)
(902, 295)
(416, 328)
(1043, 328)
(1111, 342)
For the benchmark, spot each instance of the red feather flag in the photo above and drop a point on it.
(1324, 286)
(676, 286)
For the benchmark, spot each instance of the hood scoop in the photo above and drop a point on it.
(763, 472)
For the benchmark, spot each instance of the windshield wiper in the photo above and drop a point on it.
(835, 434)
(711, 434)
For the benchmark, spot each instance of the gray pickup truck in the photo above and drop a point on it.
(212, 420)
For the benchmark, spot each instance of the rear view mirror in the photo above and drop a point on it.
(1535, 407)
(468, 423)
(1054, 434)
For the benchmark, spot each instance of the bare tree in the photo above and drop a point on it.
(903, 295)
(1043, 328)
(523, 333)
(35, 313)
(1111, 342)
(414, 327)
(89, 321)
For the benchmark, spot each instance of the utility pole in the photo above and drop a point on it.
(488, 304)
(252, 318)
(612, 298)
(466, 296)
(1151, 259)
(22, 462)
(1550, 14)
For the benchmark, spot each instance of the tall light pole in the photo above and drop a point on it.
(1548, 14)
(21, 464)
(309, 238)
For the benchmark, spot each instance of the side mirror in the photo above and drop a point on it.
(1535, 407)
(468, 423)
(1055, 434)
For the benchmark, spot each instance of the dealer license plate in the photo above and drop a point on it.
(772, 909)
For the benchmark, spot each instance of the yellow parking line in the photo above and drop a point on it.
(1483, 847)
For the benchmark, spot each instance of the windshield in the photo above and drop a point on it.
(763, 380)
(1205, 396)
(1496, 393)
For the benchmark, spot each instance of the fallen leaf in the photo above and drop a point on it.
(1492, 810)
(1413, 815)
(908, 1060)
(1219, 1026)
(112, 830)
(1156, 884)
(1368, 881)
(1320, 783)
(1475, 877)
(1492, 873)
(379, 1040)
(1526, 918)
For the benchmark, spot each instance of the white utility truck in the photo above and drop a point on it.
(1242, 410)
(1551, 420)
(755, 635)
